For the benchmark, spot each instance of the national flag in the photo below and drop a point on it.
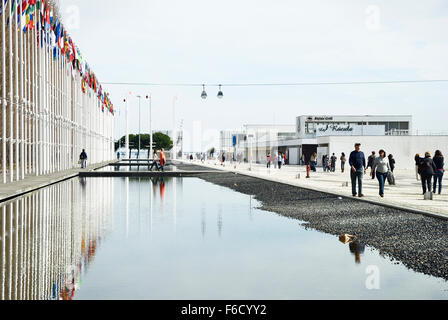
(5, 3)
(25, 6)
(23, 17)
(47, 18)
(13, 9)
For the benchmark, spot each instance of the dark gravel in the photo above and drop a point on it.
(418, 241)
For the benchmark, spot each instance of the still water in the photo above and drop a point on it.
(181, 238)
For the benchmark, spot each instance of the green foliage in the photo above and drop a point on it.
(160, 141)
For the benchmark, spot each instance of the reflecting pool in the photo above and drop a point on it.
(182, 238)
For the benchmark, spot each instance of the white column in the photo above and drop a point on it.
(11, 99)
(4, 101)
(127, 130)
(17, 96)
(22, 99)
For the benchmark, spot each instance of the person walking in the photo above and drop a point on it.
(162, 159)
(438, 177)
(417, 164)
(83, 159)
(279, 160)
(343, 161)
(155, 162)
(326, 163)
(381, 167)
(391, 163)
(313, 162)
(333, 160)
(370, 161)
(427, 169)
(357, 161)
(268, 160)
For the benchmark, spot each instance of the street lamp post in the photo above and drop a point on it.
(150, 126)
(139, 124)
(127, 130)
(174, 129)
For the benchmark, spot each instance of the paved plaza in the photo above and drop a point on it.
(406, 194)
(31, 183)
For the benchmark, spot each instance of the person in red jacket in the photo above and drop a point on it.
(162, 159)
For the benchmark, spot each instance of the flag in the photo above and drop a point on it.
(25, 5)
(3, 6)
(23, 16)
(13, 9)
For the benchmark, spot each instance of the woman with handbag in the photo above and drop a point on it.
(381, 167)
(343, 161)
(438, 176)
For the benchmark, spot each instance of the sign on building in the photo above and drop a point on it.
(333, 129)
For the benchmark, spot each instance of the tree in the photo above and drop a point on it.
(160, 141)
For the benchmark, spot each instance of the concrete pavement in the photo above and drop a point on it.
(406, 194)
(32, 183)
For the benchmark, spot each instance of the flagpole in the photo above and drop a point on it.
(22, 99)
(47, 105)
(174, 129)
(27, 66)
(17, 96)
(150, 129)
(37, 103)
(34, 88)
(127, 130)
(4, 104)
(11, 99)
(40, 96)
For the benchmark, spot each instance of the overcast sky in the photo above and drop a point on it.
(265, 41)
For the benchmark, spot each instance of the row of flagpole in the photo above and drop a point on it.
(47, 116)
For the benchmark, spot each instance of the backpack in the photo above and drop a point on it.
(424, 166)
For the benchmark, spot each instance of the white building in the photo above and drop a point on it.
(326, 135)
(311, 129)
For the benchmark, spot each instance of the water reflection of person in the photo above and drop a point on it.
(357, 248)
(162, 189)
(161, 183)
(83, 182)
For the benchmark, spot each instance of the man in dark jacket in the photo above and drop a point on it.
(370, 161)
(427, 169)
(83, 159)
(357, 163)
